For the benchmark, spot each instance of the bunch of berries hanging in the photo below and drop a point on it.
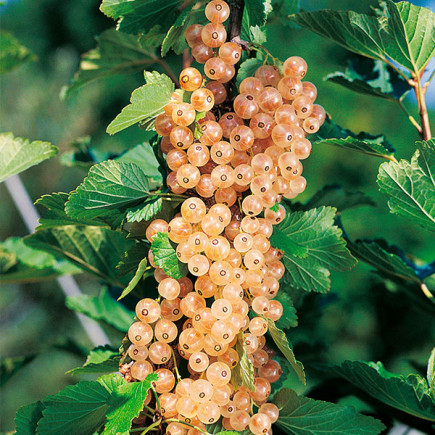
(242, 164)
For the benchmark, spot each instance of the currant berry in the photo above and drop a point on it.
(245, 106)
(295, 67)
(218, 90)
(148, 310)
(193, 34)
(228, 122)
(213, 35)
(164, 124)
(181, 137)
(183, 114)
(190, 79)
(268, 75)
(217, 11)
(251, 85)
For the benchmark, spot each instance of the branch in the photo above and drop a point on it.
(422, 109)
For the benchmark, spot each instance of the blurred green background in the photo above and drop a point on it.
(359, 319)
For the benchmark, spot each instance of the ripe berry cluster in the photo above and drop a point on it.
(241, 165)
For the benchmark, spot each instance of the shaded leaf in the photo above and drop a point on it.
(19, 154)
(93, 249)
(109, 185)
(289, 318)
(146, 103)
(102, 359)
(320, 242)
(166, 257)
(82, 154)
(243, 372)
(132, 258)
(431, 371)
(410, 189)
(139, 16)
(371, 77)
(7, 260)
(332, 134)
(145, 211)
(136, 278)
(283, 345)
(10, 366)
(12, 53)
(406, 35)
(302, 415)
(335, 196)
(408, 394)
(257, 11)
(247, 69)
(27, 417)
(103, 307)
(126, 403)
(76, 410)
(116, 53)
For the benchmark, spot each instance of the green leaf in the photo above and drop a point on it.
(12, 53)
(408, 394)
(145, 211)
(10, 366)
(302, 415)
(126, 404)
(405, 36)
(257, 11)
(289, 318)
(139, 16)
(247, 69)
(116, 53)
(166, 257)
(313, 234)
(243, 372)
(7, 260)
(410, 188)
(218, 429)
(76, 410)
(174, 39)
(281, 10)
(332, 134)
(133, 257)
(55, 214)
(19, 154)
(136, 278)
(102, 359)
(103, 307)
(431, 371)
(27, 417)
(93, 249)
(143, 156)
(109, 185)
(335, 196)
(371, 77)
(111, 382)
(146, 103)
(379, 255)
(283, 345)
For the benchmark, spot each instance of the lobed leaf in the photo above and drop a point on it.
(145, 211)
(103, 307)
(302, 415)
(410, 187)
(283, 345)
(289, 318)
(166, 257)
(258, 11)
(312, 246)
(146, 103)
(102, 359)
(27, 417)
(409, 394)
(19, 154)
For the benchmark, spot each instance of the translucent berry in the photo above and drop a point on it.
(181, 137)
(202, 100)
(290, 88)
(262, 125)
(188, 176)
(183, 114)
(230, 52)
(211, 132)
(268, 75)
(148, 310)
(165, 331)
(228, 122)
(217, 11)
(242, 138)
(295, 67)
(218, 90)
(169, 288)
(140, 370)
(218, 374)
(159, 352)
(245, 106)
(190, 79)
(213, 35)
(269, 99)
(193, 34)
(198, 265)
(251, 85)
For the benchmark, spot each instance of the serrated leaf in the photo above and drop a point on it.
(247, 69)
(102, 359)
(302, 415)
(116, 53)
(410, 189)
(126, 403)
(111, 382)
(257, 11)
(12, 53)
(103, 307)
(166, 257)
(145, 211)
(93, 249)
(27, 417)
(378, 254)
(405, 36)
(143, 156)
(408, 394)
(371, 77)
(332, 134)
(10, 366)
(335, 196)
(55, 214)
(289, 318)
(139, 16)
(136, 278)
(324, 249)
(283, 345)
(243, 372)
(146, 103)
(76, 410)
(19, 154)
(174, 39)
(132, 258)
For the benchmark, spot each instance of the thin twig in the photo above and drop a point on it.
(422, 109)
(410, 117)
(168, 70)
